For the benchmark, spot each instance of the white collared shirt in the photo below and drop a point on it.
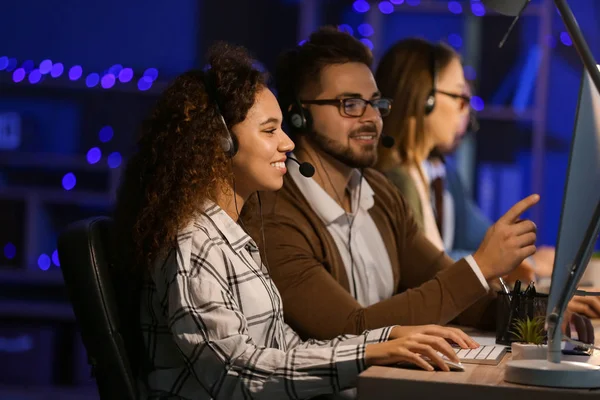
(373, 276)
(438, 170)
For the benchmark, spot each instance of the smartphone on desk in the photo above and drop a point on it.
(574, 350)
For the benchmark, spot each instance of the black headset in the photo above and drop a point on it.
(229, 143)
(298, 118)
(430, 102)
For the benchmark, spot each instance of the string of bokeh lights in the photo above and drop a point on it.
(69, 181)
(49, 69)
(455, 7)
(455, 40)
(117, 73)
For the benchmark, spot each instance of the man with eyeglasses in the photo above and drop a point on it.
(342, 247)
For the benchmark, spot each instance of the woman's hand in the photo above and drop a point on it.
(411, 348)
(452, 334)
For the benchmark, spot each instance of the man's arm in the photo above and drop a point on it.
(317, 305)
(474, 304)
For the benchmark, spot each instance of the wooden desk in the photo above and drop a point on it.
(476, 382)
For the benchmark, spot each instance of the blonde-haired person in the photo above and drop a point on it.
(431, 101)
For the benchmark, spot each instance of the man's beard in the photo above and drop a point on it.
(364, 158)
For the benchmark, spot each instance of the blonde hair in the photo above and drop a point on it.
(406, 74)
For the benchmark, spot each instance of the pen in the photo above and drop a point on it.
(504, 287)
(512, 306)
(529, 294)
(528, 289)
(517, 288)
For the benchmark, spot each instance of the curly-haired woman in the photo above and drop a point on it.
(211, 318)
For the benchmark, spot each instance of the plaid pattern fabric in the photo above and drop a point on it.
(213, 326)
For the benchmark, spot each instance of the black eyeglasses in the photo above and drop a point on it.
(355, 106)
(465, 100)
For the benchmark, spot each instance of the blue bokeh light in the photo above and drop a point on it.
(44, 262)
(151, 73)
(346, 28)
(106, 133)
(361, 6)
(75, 72)
(478, 9)
(386, 7)
(55, 259)
(455, 7)
(35, 76)
(108, 81)
(477, 103)
(28, 66)
(12, 64)
(367, 43)
(566, 39)
(92, 80)
(114, 159)
(144, 83)
(125, 75)
(46, 66)
(94, 155)
(18, 75)
(10, 251)
(3, 63)
(115, 69)
(57, 70)
(69, 181)
(365, 30)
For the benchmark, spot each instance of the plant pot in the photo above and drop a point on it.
(527, 351)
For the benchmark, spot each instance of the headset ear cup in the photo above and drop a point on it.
(299, 118)
(226, 144)
(296, 121)
(229, 144)
(430, 103)
(234, 144)
(308, 123)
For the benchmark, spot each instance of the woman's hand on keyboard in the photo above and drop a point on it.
(412, 349)
(451, 334)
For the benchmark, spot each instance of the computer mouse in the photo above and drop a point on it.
(451, 364)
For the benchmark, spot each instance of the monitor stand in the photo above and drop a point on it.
(566, 374)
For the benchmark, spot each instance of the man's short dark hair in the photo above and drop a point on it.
(301, 66)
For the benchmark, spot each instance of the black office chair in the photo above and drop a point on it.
(105, 305)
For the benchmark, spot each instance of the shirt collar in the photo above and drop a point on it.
(434, 169)
(231, 231)
(322, 203)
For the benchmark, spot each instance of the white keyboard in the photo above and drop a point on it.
(491, 355)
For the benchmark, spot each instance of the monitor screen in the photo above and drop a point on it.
(581, 197)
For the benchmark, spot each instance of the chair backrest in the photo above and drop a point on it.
(101, 301)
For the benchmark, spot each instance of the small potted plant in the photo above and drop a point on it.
(529, 339)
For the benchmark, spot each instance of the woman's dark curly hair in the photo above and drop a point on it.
(179, 161)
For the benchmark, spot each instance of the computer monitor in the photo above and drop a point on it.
(578, 232)
(579, 224)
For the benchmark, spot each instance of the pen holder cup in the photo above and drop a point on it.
(510, 310)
